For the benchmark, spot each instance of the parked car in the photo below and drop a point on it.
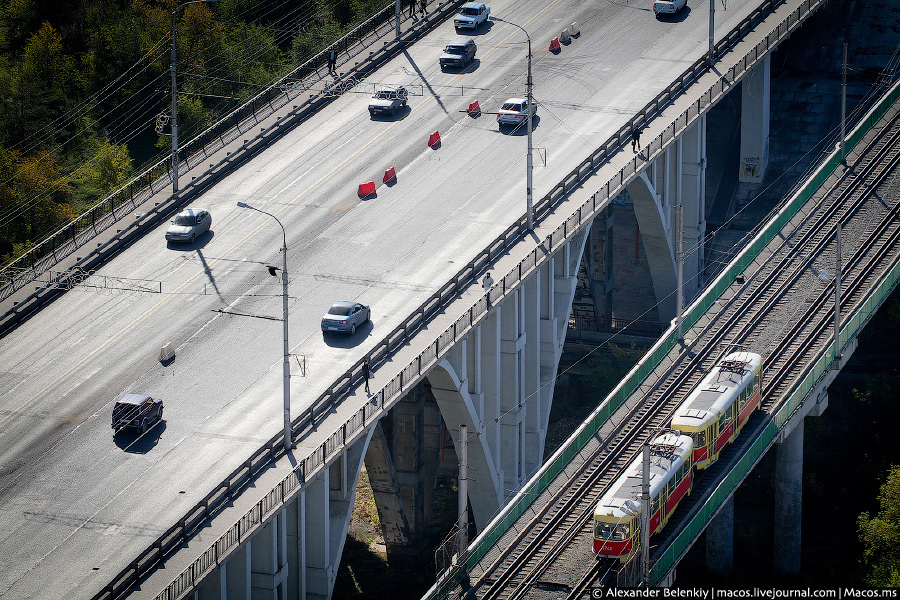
(345, 317)
(471, 15)
(136, 411)
(514, 111)
(458, 53)
(387, 100)
(188, 225)
(668, 6)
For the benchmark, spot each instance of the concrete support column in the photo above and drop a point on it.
(293, 548)
(653, 221)
(599, 256)
(490, 371)
(755, 99)
(720, 540)
(317, 538)
(512, 408)
(531, 375)
(789, 501)
(267, 572)
(693, 199)
(551, 340)
(237, 575)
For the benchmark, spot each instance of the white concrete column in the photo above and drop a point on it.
(267, 572)
(490, 377)
(654, 225)
(720, 540)
(293, 548)
(789, 501)
(512, 409)
(531, 375)
(755, 98)
(693, 198)
(237, 576)
(317, 538)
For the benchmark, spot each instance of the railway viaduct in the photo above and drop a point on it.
(484, 360)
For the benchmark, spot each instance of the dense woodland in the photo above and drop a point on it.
(85, 89)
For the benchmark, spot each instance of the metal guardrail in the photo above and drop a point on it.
(157, 177)
(354, 427)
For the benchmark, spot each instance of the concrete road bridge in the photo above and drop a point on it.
(208, 503)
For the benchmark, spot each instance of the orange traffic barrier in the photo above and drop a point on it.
(474, 109)
(434, 139)
(554, 45)
(390, 176)
(366, 189)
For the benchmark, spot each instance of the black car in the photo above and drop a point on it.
(458, 53)
(136, 411)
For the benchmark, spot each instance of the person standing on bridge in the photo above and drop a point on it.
(635, 138)
(332, 59)
(487, 283)
(423, 4)
(367, 372)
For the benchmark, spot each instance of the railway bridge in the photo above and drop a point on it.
(275, 527)
(799, 293)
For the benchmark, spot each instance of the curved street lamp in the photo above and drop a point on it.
(288, 442)
(529, 215)
(173, 69)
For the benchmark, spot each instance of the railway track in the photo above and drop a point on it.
(561, 523)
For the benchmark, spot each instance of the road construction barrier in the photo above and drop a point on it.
(474, 109)
(554, 45)
(390, 176)
(366, 189)
(434, 139)
(564, 37)
(573, 30)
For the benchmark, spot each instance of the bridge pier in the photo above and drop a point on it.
(677, 177)
(720, 540)
(789, 502)
(755, 101)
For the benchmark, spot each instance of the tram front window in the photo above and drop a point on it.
(699, 439)
(608, 531)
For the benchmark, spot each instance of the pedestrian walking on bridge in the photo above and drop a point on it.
(367, 372)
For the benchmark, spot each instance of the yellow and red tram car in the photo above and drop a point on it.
(716, 410)
(617, 515)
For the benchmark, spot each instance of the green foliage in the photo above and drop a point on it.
(606, 369)
(83, 82)
(881, 535)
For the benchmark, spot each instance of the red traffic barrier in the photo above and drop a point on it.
(390, 176)
(554, 45)
(434, 139)
(474, 109)
(366, 189)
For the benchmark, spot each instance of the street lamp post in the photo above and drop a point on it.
(173, 69)
(288, 442)
(529, 167)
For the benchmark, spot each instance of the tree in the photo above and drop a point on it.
(881, 535)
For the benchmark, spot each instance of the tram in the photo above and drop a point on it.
(617, 516)
(716, 410)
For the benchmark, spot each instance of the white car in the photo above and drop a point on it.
(471, 15)
(188, 225)
(669, 7)
(514, 111)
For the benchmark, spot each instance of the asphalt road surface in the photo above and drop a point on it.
(77, 504)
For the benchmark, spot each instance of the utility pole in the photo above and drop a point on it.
(844, 108)
(645, 515)
(711, 56)
(173, 69)
(397, 9)
(837, 296)
(463, 499)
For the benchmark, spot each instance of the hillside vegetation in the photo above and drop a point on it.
(85, 89)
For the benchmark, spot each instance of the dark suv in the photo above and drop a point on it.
(458, 54)
(137, 412)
